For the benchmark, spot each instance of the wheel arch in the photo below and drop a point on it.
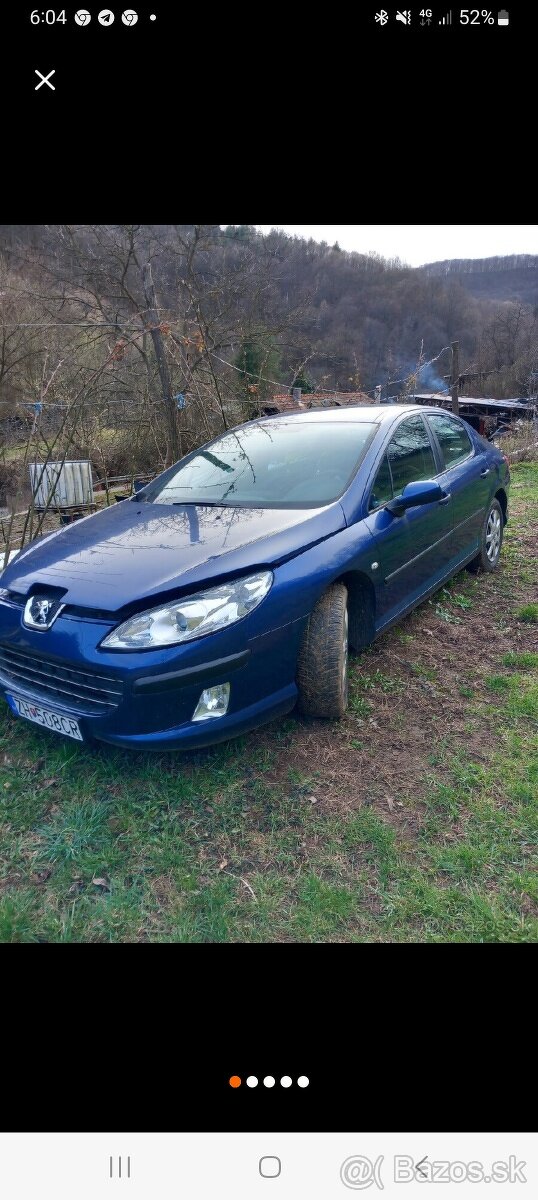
(361, 608)
(501, 496)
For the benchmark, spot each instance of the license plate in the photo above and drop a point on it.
(46, 717)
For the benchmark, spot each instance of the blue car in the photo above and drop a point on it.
(230, 588)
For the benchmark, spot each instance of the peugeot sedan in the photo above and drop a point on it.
(230, 589)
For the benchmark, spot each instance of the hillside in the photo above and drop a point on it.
(245, 315)
(511, 278)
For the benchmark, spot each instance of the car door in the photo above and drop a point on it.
(466, 476)
(412, 551)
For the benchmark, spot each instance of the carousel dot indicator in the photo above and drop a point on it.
(234, 1081)
(303, 1081)
(286, 1081)
(252, 1081)
(269, 1081)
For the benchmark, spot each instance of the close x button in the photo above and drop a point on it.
(44, 79)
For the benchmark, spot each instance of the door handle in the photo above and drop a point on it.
(445, 499)
(484, 473)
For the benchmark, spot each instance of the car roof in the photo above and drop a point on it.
(352, 412)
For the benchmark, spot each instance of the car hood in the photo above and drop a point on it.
(132, 550)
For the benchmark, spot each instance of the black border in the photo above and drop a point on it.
(146, 1038)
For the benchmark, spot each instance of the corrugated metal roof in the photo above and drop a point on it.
(465, 401)
(283, 402)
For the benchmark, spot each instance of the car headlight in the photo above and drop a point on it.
(192, 617)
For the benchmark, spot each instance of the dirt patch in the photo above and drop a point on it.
(434, 669)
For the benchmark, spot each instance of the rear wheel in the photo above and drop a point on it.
(323, 660)
(492, 535)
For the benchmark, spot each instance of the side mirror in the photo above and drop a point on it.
(426, 491)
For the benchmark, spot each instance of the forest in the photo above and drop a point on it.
(130, 344)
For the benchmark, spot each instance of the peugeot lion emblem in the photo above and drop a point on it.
(41, 611)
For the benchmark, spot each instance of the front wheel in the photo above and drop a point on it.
(490, 545)
(322, 663)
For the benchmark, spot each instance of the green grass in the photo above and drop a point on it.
(458, 598)
(363, 681)
(424, 672)
(446, 614)
(529, 614)
(525, 659)
(497, 683)
(252, 841)
(358, 706)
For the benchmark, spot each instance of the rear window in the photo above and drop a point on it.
(453, 439)
(410, 454)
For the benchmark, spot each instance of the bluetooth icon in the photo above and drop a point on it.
(382, 17)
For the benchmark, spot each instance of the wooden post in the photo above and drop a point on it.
(152, 320)
(455, 377)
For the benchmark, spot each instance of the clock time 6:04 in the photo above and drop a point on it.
(50, 17)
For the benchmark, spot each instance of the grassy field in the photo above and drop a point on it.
(413, 820)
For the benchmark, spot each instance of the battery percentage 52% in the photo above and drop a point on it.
(476, 16)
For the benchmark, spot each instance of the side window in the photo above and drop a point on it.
(410, 454)
(382, 489)
(452, 437)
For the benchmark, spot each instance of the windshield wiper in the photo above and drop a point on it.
(202, 503)
(217, 462)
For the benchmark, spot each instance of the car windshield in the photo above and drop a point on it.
(274, 464)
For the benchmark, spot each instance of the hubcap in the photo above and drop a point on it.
(493, 535)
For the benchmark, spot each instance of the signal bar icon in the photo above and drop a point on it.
(446, 20)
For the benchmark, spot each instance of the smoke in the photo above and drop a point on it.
(430, 380)
(426, 380)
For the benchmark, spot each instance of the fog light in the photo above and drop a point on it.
(213, 702)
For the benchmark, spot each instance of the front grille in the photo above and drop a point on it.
(57, 681)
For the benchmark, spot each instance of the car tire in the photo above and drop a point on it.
(322, 663)
(491, 541)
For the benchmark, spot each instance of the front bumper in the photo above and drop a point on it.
(193, 735)
(153, 695)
